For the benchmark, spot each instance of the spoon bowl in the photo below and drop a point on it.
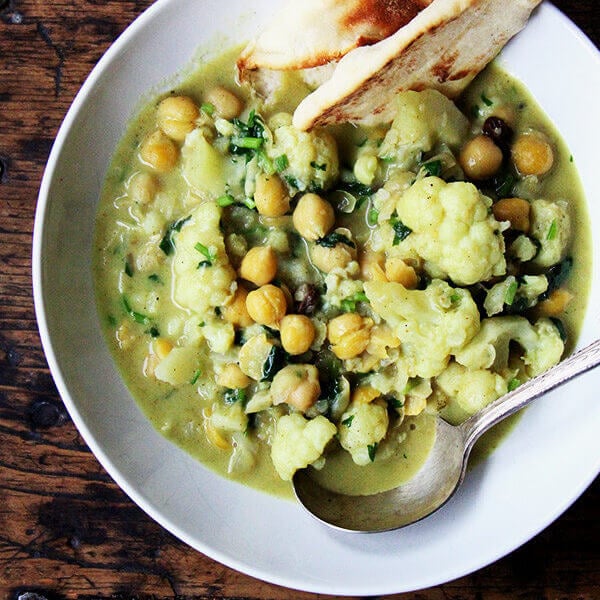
(445, 468)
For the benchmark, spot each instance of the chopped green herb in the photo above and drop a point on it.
(167, 244)
(292, 181)
(232, 396)
(249, 203)
(503, 185)
(552, 231)
(250, 138)
(265, 163)
(511, 292)
(513, 384)
(154, 332)
(401, 231)
(349, 304)
(372, 450)
(275, 362)
(412, 383)
(455, 297)
(128, 268)
(557, 275)
(204, 263)
(195, 376)
(372, 216)
(208, 108)
(433, 167)
(319, 167)
(155, 278)
(348, 421)
(394, 402)
(486, 100)
(251, 143)
(209, 254)
(225, 200)
(136, 316)
(332, 239)
(281, 163)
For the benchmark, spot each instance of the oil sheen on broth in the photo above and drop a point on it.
(385, 325)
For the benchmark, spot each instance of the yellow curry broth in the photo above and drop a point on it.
(135, 272)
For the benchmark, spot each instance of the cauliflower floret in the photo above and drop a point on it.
(470, 389)
(431, 324)
(312, 157)
(551, 227)
(424, 119)
(178, 366)
(451, 228)
(340, 283)
(202, 276)
(522, 248)
(362, 426)
(298, 442)
(229, 417)
(205, 169)
(489, 349)
(520, 294)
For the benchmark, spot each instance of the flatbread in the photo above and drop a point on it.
(443, 47)
(311, 33)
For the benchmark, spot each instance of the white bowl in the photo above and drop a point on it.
(543, 466)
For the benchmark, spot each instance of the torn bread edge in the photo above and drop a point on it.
(444, 47)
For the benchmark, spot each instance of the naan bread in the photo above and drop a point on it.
(311, 33)
(443, 47)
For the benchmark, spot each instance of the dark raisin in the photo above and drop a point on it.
(307, 299)
(498, 130)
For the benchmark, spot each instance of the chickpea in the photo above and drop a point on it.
(142, 188)
(267, 305)
(271, 196)
(532, 154)
(555, 304)
(159, 152)
(313, 217)
(339, 256)
(397, 270)
(233, 377)
(480, 158)
(296, 385)
(162, 347)
(226, 103)
(176, 116)
(297, 333)
(236, 312)
(349, 335)
(327, 259)
(371, 266)
(259, 266)
(365, 394)
(514, 210)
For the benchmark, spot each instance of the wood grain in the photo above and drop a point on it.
(66, 530)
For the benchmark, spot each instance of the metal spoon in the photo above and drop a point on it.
(445, 467)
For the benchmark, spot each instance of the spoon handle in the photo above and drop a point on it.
(585, 359)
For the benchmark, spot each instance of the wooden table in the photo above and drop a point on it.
(66, 530)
